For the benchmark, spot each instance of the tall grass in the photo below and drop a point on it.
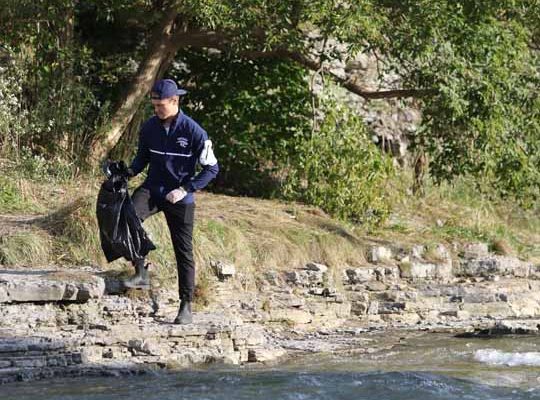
(14, 196)
(459, 212)
(25, 249)
(258, 235)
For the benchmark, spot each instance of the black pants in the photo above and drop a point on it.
(180, 218)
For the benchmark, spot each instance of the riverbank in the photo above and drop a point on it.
(274, 280)
(70, 322)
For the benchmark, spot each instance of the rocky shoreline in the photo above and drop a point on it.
(71, 323)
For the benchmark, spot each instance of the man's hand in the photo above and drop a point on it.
(174, 196)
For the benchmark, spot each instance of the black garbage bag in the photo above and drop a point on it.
(120, 230)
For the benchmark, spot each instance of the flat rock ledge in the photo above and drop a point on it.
(54, 323)
(18, 286)
(80, 322)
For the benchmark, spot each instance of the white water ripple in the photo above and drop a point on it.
(497, 357)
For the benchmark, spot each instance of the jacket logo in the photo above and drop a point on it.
(182, 141)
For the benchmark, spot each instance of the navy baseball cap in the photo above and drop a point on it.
(165, 88)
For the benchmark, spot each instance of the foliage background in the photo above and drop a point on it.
(64, 64)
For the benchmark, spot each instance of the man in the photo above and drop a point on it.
(172, 143)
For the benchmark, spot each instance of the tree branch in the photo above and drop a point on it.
(211, 39)
(348, 84)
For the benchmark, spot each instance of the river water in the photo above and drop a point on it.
(432, 366)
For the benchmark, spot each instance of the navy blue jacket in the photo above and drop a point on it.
(173, 156)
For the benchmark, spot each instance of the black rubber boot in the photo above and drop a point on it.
(184, 313)
(141, 279)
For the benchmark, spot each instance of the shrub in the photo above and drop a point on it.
(339, 169)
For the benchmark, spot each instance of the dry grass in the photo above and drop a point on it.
(25, 249)
(256, 235)
(76, 231)
(502, 247)
(432, 255)
(252, 234)
(456, 214)
(263, 234)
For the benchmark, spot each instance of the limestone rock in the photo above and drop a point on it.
(364, 275)
(325, 292)
(377, 254)
(4, 296)
(146, 347)
(402, 318)
(488, 310)
(458, 314)
(272, 277)
(475, 250)
(494, 265)
(534, 272)
(376, 286)
(528, 326)
(525, 308)
(253, 325)
(422, 270)
(441, 253)
(359, 307)
(224, 270)
(292, 277)
(373, 308)
(360, 275)
(312, 266)
(291, 316)
(265, 354)
(418, 251)
(424, 305)
(390, 307)
(307, 277)
(49, 286)
(287, 300)
(389, 273)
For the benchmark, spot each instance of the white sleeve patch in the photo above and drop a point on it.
(207, 156)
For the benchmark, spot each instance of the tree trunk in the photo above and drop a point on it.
(161, 51)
